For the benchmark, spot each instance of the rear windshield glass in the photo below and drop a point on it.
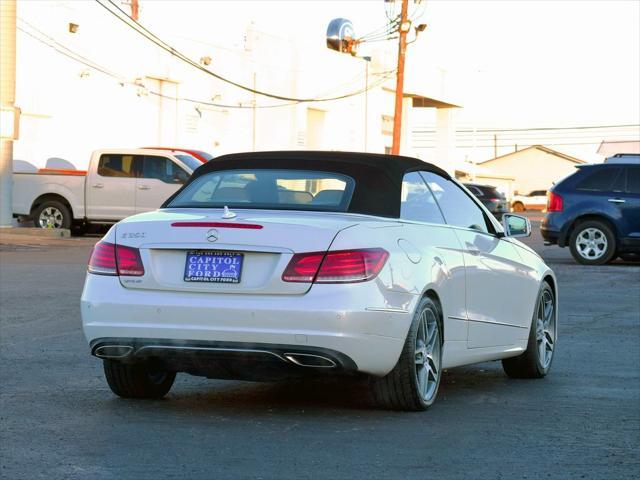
(189, 160)
(601, 180)
(268, 189)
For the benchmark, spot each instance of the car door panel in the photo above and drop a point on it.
(156, 182)
(494, 271)
(111, 186)
(629, 204)
(496, 281)
(439, 262)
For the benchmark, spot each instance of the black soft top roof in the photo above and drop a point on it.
(378, 178)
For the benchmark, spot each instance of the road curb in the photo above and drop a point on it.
(36, 232)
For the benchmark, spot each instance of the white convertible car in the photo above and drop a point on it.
(272, 265)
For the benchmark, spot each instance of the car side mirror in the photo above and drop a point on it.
(516, 225)
(180, 176)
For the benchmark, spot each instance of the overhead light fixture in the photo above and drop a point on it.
(73, 27)
(405, 26)
(9, 123)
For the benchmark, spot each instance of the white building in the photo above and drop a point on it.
(532, 168)
(86, 81)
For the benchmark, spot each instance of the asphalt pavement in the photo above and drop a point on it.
(58, 418)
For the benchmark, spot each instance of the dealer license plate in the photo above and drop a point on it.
(213, 266)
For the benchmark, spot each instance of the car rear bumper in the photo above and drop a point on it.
(226, 360)
(356, 321)
(549, 236)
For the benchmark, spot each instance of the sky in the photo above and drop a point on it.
(510, 63)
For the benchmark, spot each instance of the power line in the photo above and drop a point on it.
(240, 106)
(510, 145)
(140, 29)
(74, 56)
(579, 127)
(67, 52)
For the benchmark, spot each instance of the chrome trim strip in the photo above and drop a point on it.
(211, 349)
(128, 350)
(497, 323)
(292, 358)
(383, 309)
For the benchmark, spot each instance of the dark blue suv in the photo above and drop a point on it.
(596, 213)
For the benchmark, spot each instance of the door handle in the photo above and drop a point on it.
(144, 187)
(617, 200)
(97, 185)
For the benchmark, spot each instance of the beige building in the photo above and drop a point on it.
(532, 168)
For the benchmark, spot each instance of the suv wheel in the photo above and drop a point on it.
(592, 243)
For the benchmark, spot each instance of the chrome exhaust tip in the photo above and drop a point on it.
(310, 360)
(113, 351)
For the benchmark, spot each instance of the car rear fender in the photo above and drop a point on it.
(569, 227)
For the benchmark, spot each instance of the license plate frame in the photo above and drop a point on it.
(210, 266)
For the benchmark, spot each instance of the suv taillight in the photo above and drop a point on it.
(342, 266)
(554, 202)
(110, 259)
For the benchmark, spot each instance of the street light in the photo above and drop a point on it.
(9, 123)
(367, 60)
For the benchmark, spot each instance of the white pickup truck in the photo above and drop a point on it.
(117, 184)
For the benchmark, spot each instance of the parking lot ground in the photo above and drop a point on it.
(58, 418)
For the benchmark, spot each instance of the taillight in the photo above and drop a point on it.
(129, 261)
(303, 267)
(554, 202)
(103, 259)
(342, 266)
(110, 259)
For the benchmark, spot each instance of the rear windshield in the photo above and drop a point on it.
(268, 189)
(189, 160)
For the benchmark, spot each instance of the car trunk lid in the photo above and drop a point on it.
(257, 244)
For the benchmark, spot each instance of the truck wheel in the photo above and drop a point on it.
(52, 214)
(592, 243)
(518, 207)
(137, 380)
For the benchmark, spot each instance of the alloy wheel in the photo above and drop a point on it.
(591, 243)
(427, 355)
(546, 329)
(51, 217)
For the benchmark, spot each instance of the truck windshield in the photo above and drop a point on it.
(189, 161)
(268, 189)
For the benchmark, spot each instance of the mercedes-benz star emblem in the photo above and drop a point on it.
(212, 235)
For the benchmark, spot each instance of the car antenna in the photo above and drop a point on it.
(228, 213)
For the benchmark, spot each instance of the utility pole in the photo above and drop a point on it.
(495, 146)
(255, 112)
(135, 10)
(402, 47)
(7, 102)
(366, 102)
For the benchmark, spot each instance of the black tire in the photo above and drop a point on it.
(60, 215)
(580, 229)
(630, 257)
(530, 364)
(137, 380)
(78, 229)
(400, 389)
